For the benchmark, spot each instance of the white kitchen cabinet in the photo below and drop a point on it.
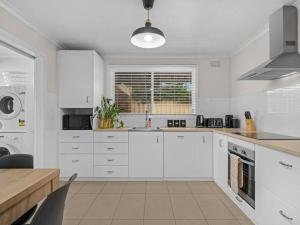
(220, 159)
(146, 154)
(80, 75)
(188, 154)
(82, 164)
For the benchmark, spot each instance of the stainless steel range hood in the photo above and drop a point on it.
(284, 57)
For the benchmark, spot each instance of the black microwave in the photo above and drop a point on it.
(77, 122)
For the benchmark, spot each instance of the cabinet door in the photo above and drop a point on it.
(182, 154)
(76, 78)
(145, 154)
(206, 160)
(220, 161)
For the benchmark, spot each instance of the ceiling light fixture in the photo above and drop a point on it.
(148, 36)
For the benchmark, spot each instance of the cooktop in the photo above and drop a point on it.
(266, 136)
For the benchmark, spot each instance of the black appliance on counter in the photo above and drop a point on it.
(200, 121)
(170, 123)
(182, 123)
(214, 122)
(229, 121)
(77, 122)
(235, 123)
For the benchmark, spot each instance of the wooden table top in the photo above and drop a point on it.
(15, 184)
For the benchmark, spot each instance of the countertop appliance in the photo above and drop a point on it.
(214, 122)
(229, 121)
(247, 158)
(200, 121)
(77, 122)
(284, 58)
(266, 136)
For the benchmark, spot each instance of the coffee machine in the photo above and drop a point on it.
(200, 121)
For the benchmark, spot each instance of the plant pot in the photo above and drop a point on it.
(106, 123)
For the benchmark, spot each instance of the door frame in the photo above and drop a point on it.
(40, 91)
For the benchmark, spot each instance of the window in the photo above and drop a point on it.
(159, 91)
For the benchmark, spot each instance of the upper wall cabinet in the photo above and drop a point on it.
(81, 78)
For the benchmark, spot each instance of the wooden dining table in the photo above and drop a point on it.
(21, 189)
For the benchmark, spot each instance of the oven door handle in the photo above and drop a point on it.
(247, 162)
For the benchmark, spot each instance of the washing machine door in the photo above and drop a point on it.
(10, 105)
(7, 149)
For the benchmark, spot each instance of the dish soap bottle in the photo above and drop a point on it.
(149, 125)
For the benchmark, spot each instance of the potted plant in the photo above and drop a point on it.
(108, 114)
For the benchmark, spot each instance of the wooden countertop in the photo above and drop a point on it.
(20, 189)
(112, 129)
(287, 146)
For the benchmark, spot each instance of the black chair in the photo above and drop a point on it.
(51, 210)
(19, 161)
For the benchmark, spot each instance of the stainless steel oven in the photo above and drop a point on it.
(247, 158)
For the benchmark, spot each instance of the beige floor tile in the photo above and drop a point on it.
(103, 207)
(131, 206)
(77, 206)
(223, 222)
(199, 187)
(158, 206)
(246, 222)
(213, 208)
(159, 222)
(178, 187)
(185, 207)
(70, 222)
(127, 222)
(114, 187)
(95, 222)
(93, 187)
(216, 188)
(157, 187)
(76, 186)
(135, 187)
(234, 209)
(191, 222)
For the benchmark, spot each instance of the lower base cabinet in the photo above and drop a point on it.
(111, 171)
(82, 164)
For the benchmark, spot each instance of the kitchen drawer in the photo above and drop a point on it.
(279, 173)
(76, 148)
(76, 163)
(111, 171)
(271, 211)
(110, 136)
(111, 160)
(111, 148)
(241, 203)
(76, 136)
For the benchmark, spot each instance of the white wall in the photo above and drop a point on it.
(12, 27)
(213, 83)
(273, 112)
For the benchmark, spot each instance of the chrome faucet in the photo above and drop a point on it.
(146, 119)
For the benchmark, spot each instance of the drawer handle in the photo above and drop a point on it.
(221, 143)
(76, 136)
(180, 136)
(238, 199)
(75, 148)
(110, 171)
(75, 161)
(203, 139)
(286, 165)
(285, 216)
(109, 149)
(110, 160)
(110, 136)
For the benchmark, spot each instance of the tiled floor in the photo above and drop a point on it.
(150, 203)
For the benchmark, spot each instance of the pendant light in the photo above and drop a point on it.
(148, 36)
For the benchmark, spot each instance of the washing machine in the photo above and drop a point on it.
(15, 143)
(12, 108)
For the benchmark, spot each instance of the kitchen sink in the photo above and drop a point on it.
(145, 129)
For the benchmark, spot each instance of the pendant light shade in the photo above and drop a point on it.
(148, 36)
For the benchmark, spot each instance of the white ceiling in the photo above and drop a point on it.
(192, 27)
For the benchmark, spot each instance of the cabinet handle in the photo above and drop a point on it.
(110, 136)
(110, 160)
(286, 165)
(285, 216)
(76, 136)
(221, 143)
(157, 139)
(203, 139)
(87, 99)
(1, 136)
(239, 200)
(75, 160)
(110, 171)
(75, 148)
(109, 149)
(180, 136)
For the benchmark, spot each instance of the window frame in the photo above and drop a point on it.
(112, 69)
